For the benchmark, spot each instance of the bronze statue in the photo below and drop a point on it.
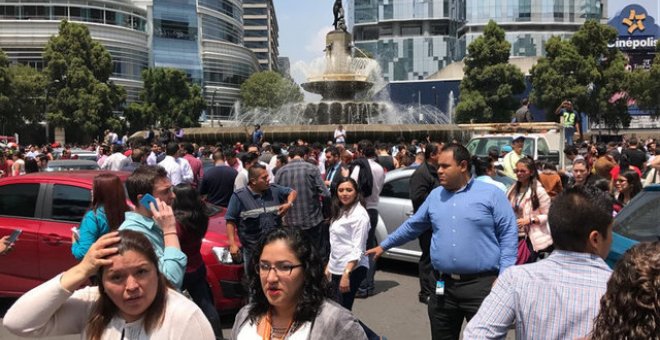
(338, 11)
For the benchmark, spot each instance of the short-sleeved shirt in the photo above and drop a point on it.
(218, 184)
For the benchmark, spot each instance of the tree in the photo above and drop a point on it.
(644, 86)
(490, 82)
(5, 89)
(167, 98)
(269, 90)
(81, 97)
(584, 70)
(28, 99)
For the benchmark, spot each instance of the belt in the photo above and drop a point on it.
(464, 277)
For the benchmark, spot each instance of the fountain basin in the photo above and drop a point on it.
(337, 88)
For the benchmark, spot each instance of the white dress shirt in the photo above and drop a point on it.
(114, 162)
(174, 172)
(348, 239)
(187, 175)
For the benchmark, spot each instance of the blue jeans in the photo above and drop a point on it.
(196, 285)
(568, 135)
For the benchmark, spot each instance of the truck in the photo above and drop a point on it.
(543, 140)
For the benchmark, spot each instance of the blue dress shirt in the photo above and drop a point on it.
(474, 229)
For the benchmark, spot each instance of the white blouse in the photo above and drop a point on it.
(348, 239)
(249, 332)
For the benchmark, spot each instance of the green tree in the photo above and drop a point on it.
(6, 110)
(81, 97)
(644, 86)
(269, 90)
(584, 70)
(168, 98)
(28, 100)
(490, 82)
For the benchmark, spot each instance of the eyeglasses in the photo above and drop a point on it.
(280, 268)
(621, 180)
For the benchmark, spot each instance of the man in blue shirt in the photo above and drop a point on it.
(475, 237)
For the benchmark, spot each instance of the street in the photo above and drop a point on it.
(393, 312)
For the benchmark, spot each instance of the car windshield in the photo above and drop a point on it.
(480, 146)
(639, 220)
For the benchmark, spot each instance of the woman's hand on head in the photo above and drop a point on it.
(96, 257)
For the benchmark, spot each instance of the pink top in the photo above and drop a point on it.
(539, 232)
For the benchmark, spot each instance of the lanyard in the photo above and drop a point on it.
(268, 331)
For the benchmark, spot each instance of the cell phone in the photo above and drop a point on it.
(146, 199)
(14, 235)
(76, 232)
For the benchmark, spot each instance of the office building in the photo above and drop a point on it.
(262, 32)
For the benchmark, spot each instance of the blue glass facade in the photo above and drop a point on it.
(411, 39)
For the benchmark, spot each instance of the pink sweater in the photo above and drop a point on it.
(539, 232)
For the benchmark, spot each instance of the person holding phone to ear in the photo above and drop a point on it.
(150, 190)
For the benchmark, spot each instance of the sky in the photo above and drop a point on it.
(303, 26)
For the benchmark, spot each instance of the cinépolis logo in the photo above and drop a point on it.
(637, 30)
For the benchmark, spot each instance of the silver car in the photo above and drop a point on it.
(394, 208)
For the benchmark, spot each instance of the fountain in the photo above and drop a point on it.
(346, 84)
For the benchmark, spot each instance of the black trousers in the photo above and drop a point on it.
(426, 276)
(461, 301)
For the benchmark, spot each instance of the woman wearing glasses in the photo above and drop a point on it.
(530, 203)
(349, 230)
(289, 295)
(627, 185)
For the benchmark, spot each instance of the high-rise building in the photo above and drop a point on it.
(530, 23)
(202, 37)
(261, 32)
(120, 26)
(411, 39)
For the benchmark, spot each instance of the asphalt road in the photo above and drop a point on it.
(393, 312)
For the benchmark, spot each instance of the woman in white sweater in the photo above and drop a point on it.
(132, 301)
(349, 230)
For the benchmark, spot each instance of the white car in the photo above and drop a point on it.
(394, 208)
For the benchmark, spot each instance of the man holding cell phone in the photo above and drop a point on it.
(150, 190)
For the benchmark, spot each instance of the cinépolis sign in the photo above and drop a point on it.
(637, 30)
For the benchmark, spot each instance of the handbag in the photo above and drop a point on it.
(523, 251)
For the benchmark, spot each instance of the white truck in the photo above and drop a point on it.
(543, 141)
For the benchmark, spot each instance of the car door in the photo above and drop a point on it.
(395, 206)
(64, 207)
(19, 269)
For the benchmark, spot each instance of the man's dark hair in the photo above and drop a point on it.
(171, 149)
(460, 154)
(248, 158)
(481, 166)
(137, 154)
(382, 146)
(218, 155)
(117, 148)
(142, 181)
(633, 141)
(333, 151)
(299, 151)
(601, 149)
(188, 147)
(570, 150)
(253, 171)
(431, 149)
(525, 101)
(277, 148)
(367, 148)
(575, 213)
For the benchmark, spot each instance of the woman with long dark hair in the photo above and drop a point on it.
(530, 203)
(106, 214)
(349, 230)
(630, 308)
(289, 294)
(192, 222)
(627, 185)
(132, 300)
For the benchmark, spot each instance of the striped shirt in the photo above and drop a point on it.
(556, 298)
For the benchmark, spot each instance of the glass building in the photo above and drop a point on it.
(122, 27)
(261, 32)
(530, 23)
(202, 37)
(411, 39)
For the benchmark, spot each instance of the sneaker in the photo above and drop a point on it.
(424, 299)
(364, 293)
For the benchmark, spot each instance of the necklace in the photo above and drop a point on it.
(271, 332)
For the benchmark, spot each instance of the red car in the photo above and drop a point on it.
(47, 205)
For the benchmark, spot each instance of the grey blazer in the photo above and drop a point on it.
(332, 322)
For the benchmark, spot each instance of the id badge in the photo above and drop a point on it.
(440, 287)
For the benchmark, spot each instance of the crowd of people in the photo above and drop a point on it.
(498, 248)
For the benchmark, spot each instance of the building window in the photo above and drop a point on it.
(411, 30)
